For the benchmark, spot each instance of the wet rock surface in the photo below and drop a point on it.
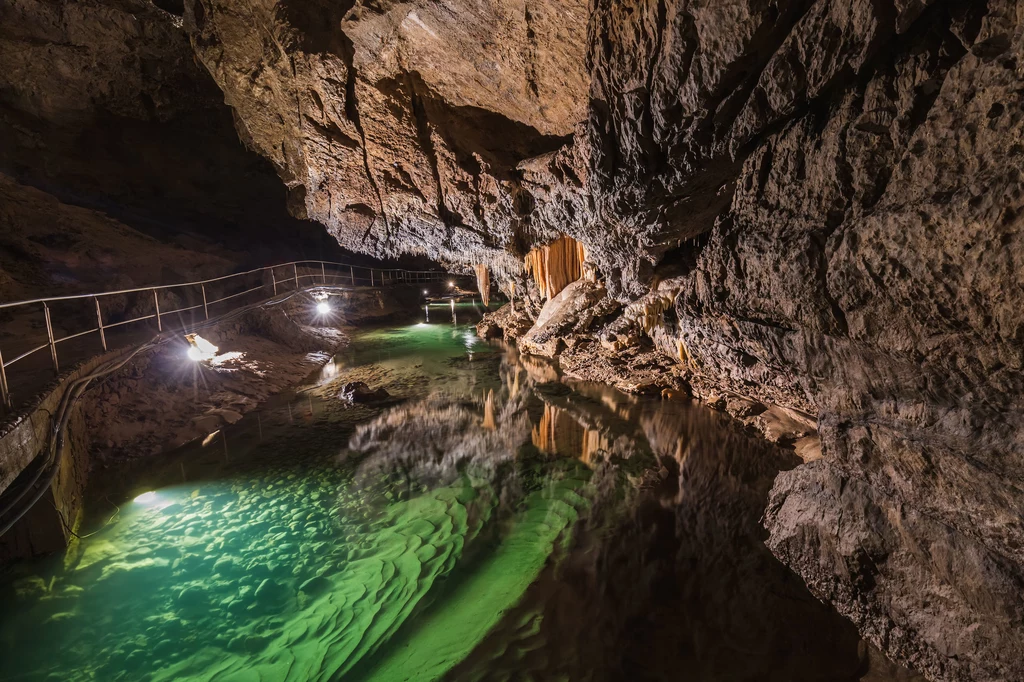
(162, 399)
(358, 392)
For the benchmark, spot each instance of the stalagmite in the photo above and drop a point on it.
(556, 265)
(483, 283)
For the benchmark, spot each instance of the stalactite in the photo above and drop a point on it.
(683, 355)
(556, 265)
(649, 312)
(483, 283)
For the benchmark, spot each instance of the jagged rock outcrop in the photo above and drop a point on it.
(400, 126)
(865, 268)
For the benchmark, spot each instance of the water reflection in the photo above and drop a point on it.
(492, 521)
(559, 432)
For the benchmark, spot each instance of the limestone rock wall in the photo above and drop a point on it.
(103, 105)
(401, 126)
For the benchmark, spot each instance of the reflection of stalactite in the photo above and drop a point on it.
(489, 411)
(483, 283)
(593, 443)
(558, 433)
(556, 265)
(513, 381)
(538, 369)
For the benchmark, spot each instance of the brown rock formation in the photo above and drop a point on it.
(483, 283)
(400, 126)
(555, 265)
(103, 105)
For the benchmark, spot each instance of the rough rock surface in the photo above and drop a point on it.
(103, 105)
(161, 399)
(399, 125)
(49, 246)
(835, 190)
(359, 392)
(572, 311)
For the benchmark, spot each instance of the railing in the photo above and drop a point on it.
(190, 297)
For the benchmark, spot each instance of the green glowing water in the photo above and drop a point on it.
(477, 525)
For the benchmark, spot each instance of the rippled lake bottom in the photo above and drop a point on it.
(491, 520)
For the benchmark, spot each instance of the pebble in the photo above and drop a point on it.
(269, 590)
(224, 565)
(192, 597)
(315, 586)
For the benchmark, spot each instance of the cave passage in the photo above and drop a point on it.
(790, 232)
(489, 519)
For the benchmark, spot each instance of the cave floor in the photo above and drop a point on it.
(489, 519)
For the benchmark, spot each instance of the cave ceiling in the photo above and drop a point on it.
(402, 126)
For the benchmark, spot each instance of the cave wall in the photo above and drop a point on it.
(401, 126)
(103, 106)
(865, 266)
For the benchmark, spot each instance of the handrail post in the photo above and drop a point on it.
(49, 335)
(206, 308)
(352, 274)
(5, 394)
(156, 304)
(323, 272)
(371, 277)
(295, 267)
(273, 278)
(99, 323)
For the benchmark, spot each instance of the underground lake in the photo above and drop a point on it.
(486, 519)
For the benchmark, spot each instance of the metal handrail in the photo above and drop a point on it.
(440, 275)
(383, 276)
